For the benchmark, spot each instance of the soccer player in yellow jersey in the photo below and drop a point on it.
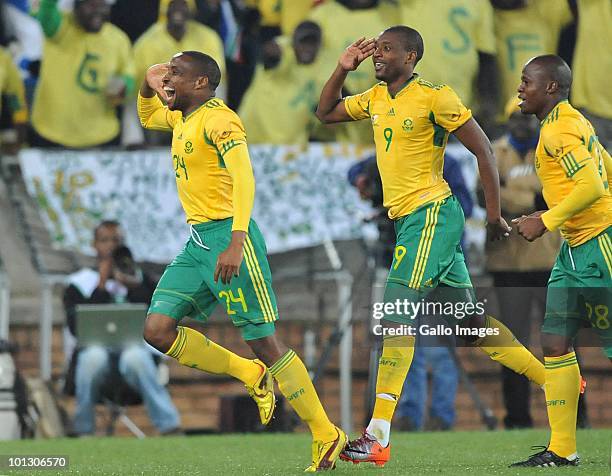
(576, 174)
(224, 260)
(412, 119)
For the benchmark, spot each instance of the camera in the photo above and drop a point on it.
(123, 261)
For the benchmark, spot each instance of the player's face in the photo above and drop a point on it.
(178, 83)
(532, 90)
(107, 240)
(390, 58)
(92, 14)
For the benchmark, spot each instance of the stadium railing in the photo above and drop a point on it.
(52, 265)
(5, 303)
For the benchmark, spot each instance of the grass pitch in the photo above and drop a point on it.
(451, 453)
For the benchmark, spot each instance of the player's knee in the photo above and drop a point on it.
(555, 346)
(160, 331)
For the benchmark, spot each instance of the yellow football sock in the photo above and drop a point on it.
(295, 384)
(392, 369)
(198, 352)
(562, 390)
(508, 351)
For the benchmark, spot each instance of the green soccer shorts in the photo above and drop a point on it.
(580, 290)
(187, 287)
(428, 255)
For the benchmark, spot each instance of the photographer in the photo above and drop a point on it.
(116, 280)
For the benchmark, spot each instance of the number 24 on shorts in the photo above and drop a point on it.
(230, 298)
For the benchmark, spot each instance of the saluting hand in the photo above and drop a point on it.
(354, 55)
(154, 77)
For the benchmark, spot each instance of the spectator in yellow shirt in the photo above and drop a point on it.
(278, 107)
(460, 50)
(524, 29)
(11, 88)
(86, 72)
(281, 15)
(592, 66)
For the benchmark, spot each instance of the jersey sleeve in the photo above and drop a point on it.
(224, 129)
(154, 115)
(126, 67)
(564, 143)
(358, 106)
(448, 110)
(15, 93)
(485, 34)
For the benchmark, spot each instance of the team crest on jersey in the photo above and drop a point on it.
(408, 125)
(188, 147)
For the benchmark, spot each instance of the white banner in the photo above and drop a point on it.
(302, 196)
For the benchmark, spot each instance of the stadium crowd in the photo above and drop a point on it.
(84, 59)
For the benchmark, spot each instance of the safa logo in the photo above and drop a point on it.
(188, 147)
(408, 125)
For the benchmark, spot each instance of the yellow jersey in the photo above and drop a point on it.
(410, 133)
(524, 33)
(453, 32)
(11, 86)
(567, 142)
(341, 27)
(199, 143)
(156, 45)
(70, 105)
(592, 59)
(278, 107)
(286, 14)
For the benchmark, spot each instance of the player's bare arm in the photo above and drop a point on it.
(472, 136)
(228, 262)
(153, 81)
(331, 107)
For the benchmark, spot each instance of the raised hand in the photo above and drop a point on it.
(154, 77)
(354, 55)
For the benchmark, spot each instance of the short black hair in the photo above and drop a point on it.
(556, 69)
(411, 39)
(206, 66)
(105, 224)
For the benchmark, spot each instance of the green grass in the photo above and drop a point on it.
(473, 453)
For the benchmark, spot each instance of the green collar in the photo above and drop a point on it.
(199, 107)
(553, 110)
(404, 86)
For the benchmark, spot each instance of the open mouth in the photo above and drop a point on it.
(378, 66)
(170, 93)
